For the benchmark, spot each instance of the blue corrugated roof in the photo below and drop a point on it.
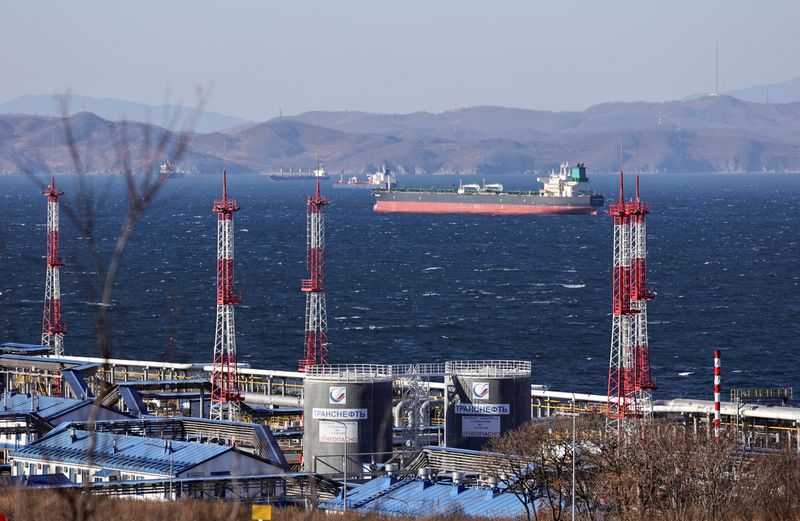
(46, 480)
(411, 497)
(24, 348)
(454, 450)
(132, 453)
(47, 407)
(26, 358)
(272, 452)
(170, 419)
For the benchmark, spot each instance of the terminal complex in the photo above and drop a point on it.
(226, 431)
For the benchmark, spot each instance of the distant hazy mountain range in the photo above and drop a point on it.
(115, 110)
(26, 141)
(711, 133)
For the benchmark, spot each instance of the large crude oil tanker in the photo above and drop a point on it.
(562, 192)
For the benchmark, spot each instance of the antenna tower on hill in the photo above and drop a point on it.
(716, 70)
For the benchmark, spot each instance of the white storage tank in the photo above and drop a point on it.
(347, 412)
(485, 398)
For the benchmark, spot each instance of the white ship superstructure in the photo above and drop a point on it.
(568, 182)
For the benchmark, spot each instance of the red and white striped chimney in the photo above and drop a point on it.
(716, 396)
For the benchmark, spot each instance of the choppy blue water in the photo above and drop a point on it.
(723, 257)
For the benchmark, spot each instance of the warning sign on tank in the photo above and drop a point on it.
(480, 426)
(338, 432)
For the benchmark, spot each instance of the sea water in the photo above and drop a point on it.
(723, 260)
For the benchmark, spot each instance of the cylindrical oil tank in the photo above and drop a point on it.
(485, 398)
(347, 417)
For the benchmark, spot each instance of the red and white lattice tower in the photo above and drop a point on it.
(644, 384)
(53, 328)
(225, 395)
(717, 392)
(622, 403)
(316, 336)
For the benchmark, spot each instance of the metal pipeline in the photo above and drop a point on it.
(273, 399)
(681, 405)
(424, 409)
(398, 411)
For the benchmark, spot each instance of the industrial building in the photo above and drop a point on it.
(24, 418)
(410, 496)
(253, 438)
(87, 456)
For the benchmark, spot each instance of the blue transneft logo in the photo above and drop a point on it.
(480, 391)
(489, 408)
(337, 395)
(339, 414)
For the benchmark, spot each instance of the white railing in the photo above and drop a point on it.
(434, 369)
(349, 372)
(466, 367)
(488, 367)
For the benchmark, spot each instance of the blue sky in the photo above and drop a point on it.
(261, 57)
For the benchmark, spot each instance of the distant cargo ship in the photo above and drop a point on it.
(319, 173)
(563, 192)
(383, 178)
(169, 171)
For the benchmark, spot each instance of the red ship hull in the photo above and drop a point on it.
(478, 208)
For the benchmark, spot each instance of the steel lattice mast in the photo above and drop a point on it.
(225, 395)
(53, 328)
(717, 392)
(316, 323)
(644, 383)
(622, 403)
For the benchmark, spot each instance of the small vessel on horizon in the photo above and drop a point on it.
(383, 178)
(563, 192)
(318, 173)
(170, 171)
